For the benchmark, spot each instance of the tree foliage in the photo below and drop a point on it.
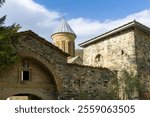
(131, 85)
(8, 39)
(1, 2)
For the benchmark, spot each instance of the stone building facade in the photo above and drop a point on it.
(113, 51)
(42, 72)
(50, 71)
(142, 45)
(124, 48)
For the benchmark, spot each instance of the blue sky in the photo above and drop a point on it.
(88, 18)
(96, 9)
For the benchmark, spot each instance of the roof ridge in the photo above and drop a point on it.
(124, 26)
(43, 40)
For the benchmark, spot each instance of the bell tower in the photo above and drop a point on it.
(64, 38)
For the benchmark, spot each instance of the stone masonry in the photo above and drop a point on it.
(43, 71)
(50, 76)
(125, 48)
(115, 52)
(142, 44)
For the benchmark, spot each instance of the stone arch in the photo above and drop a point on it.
(24, 96)
(48, 65)
(24, 91)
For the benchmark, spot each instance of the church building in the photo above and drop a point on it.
(52, 71)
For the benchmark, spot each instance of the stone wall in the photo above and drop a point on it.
(29, 41)
(46, 65)
(68, 75)
(40, 82)
(84, 82)
(52, 76)
(34, 47)
(142, 43)
(115, 52)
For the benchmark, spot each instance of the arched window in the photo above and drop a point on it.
(73, 48)
(69, 47)
(63, 45)
(98, 58)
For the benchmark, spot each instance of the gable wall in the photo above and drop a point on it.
(31, 43)
(116, 52)
(40, 83)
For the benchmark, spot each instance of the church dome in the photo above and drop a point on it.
(64, 28)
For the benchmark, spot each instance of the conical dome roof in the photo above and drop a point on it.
(63, 27)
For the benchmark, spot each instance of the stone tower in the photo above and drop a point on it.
(64, 38)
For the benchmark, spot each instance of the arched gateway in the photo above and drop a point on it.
(36, 74)
(30, 77)
(24, 97)
(42, 72)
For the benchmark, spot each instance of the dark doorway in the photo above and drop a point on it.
(24, 97)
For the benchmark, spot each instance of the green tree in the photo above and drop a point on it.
(8, 40)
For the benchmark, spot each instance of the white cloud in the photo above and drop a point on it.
(31, 15)
(86, 29)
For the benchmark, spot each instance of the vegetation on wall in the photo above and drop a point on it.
(8, 40)
(131, 85)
